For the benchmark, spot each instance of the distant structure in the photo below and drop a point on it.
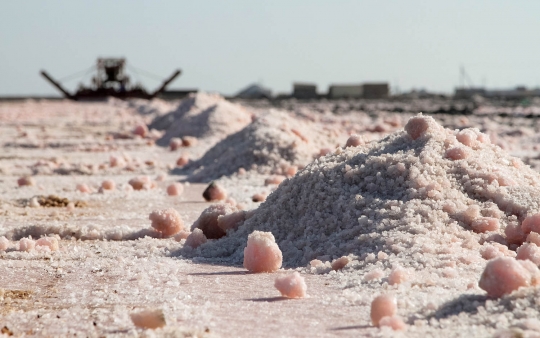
(305, 91)
(254, 91)
(110, 80)
(517, 93)
(359, 91)
(176, 94)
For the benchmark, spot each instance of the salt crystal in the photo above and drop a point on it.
(457, 153)
(398, 275)
(262, 254)
(4, 243)
(167, 222)
(382, 255)
(531, 223)
(175, 189)
(182, 160)
(276, 179)
(534, 237)
(503, 275)
(182, 235)
(382, 306)
(142, 182)
(26, 244)
(529, 251)
(196, 238)
(485, 224)
(291, 285)
(148, 319)
(354, 141)
(175, 143)
(214, 192)
(290, 171)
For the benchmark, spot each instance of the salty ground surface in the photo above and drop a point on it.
(111, 263)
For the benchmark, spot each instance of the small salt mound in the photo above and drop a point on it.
(401, 195)
(291, 285)
(202, 115)
(271, 143)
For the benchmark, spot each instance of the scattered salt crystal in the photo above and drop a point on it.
(196, 238)
(395, 322)
(262, 254)
(26, 244)
(215, 192)
(4, 243)
(50, 242)
(26, 181)
(168, 222)
(175, 189)
(291, 285)
(340, 263)
(382, 306)
(148, 319)
(108, 185)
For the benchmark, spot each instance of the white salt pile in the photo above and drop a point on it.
(272, 144)
(405, 200)
(202, 115)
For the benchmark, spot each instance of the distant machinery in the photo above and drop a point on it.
(359, 91)
(305, 91)
(375, 90)
(110, 80)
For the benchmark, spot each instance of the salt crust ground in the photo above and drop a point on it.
(92, 285)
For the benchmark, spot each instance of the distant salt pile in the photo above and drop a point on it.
(202, 115)
(272, 144)
(406, 201)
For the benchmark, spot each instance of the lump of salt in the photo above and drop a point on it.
(148, 319)
(26, 181)
(167, 222)
(340, 263)
(189, 141)
(529, 251)
(457, 153)
(420, 125)
(182, 235)
(26, 244)
(531, 223)
(503, 275)
(382, 306)
(231, 221)
(208, 220)
(394, 322)
(291, 285)
(175, 189)
(84, 188)
(354, 141)
(485, 224)
(141, 130)
(214, 192)
(108, 185)
(534, 237)
(142, 182)
(175, 143)
(182, 160)
(196, 238)
(398, 275)
(259, 197)
(50, 242)
(262, 254)
(4, 243)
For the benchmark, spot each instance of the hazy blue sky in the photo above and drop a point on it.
(225, 45)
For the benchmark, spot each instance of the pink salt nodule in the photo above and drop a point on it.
(214, 192)
(49, 242)
(142, 183)
(340, 263)
(382, 306)
(231, 221)
(182, 235)
(26, 181)
(148, 319)
(354, 141)
(4, 243)
(196, 239)
(529, 251)
(262, 254)
(26, 244)
(534, 237)
(182, 160)
(394, 322)
(418, 126)
(290, 171)
(84, 188)
(291, 285)
(141, 130)
(117, 161)
(175, 189)
(208, 221)
(531, 223)
(457, 153)
(108, 185)
(175, 144)
(189, 141)
(167, 222)
(259, 197)
(398, 275)
(485, 224)
(276, 179)
(503, 275)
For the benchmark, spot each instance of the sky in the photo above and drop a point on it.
(226, 45)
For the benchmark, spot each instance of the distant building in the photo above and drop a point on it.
(352, 91)
(254, 91)
(375, 90)
(304, 91)
(517, 93)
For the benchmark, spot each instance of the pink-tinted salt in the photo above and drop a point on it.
(291, 285)
(531, 223)
(50, 242)
(148, 319)
(259, 197)
(108, 185)
(167, 222)
(276, 179)
(4, 243)
(534, 237)
(141, 130)
(183, 234)
(182, 160)
(529, 251)
(394, 322)
(354, 141)
(231, 221)
(398, 275)
(175, 189)
(485, 224)
(340, 263)
(214, 192)
(26, 181)
(26, 244)
(262, 254)
(142, 182)
(196, 238)
(382, 306)
(208, 220)
(503, 275)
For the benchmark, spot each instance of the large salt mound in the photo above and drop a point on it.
(413, 195)
(202, 115)
(274, 141)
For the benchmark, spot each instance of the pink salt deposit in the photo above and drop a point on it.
(142, 183)
(175, 189)
(398, 275)
(261, 253)
(26, 244)
(275, 179)
(291, 285)
(208, 221)
(167, 222)
(183, 234)
(215, 192)
(175, 144)
(141, 130)
(148, 319)
(196, 238)
(26, 181)
(50, 242)
(108, 185)
(182, 160)
(259, 197)
(529, 251)
(531, 223)
(340, 263)
(382, 306)
(189, 141)
(504, 275)
(394, 322)
(354, 141)
(4, 243)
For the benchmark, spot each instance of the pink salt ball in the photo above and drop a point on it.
(417, 126)
(84, 188)
(259, 197)
(373, 275)
(276, 179)
(208, 220)
(514, 233)
(485, 224)
(457, 153)
(148, 319)
(398, 275)
(167, 222)
(117, 161)
(291, 171)
(182, 160)
(4, 243)
(529, 251)
(189, 141)
(534, 237)
(108, 185)
(142, 182)
(291, 286)
(262, 254)
(215, 192)
(354, 141)
(175, 144)
(196, 239)
(26, 181)
(382, 306)
(26, 244)
(49, 242)
(182, 235)
(231, 221)
(531, 223)
(340, 263)
(141, 130)
(175, 189)
(394, 322)
(503, 275)
(467, 137)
